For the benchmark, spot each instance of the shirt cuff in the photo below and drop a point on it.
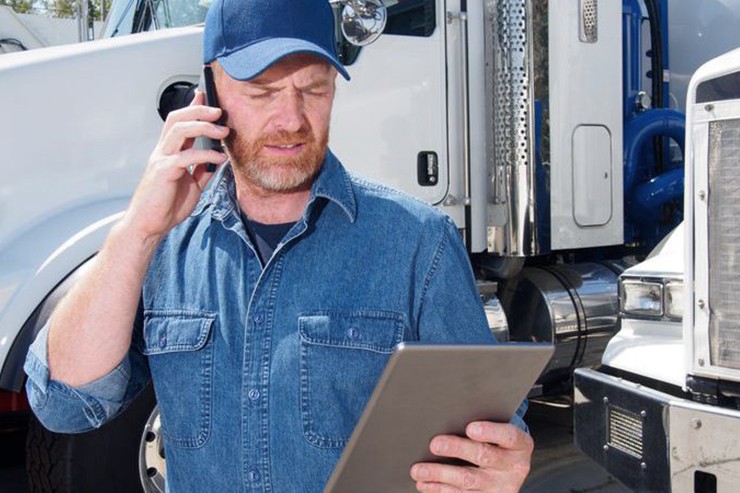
(97, 400)
(518, 418)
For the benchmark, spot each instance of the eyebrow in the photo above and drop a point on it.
(271, 86)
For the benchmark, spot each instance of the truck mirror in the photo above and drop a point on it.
(361, 21)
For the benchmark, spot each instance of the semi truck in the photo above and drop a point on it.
(662, 413)
(549, 131)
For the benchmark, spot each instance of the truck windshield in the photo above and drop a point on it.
(405, 17)
(133, 16)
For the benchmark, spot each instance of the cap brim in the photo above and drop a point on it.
(254, 59)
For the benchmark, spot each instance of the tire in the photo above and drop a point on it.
(106, 459)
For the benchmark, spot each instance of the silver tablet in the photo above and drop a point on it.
(427, 390)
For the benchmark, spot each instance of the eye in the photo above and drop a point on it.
(317, 90)
(259, 94)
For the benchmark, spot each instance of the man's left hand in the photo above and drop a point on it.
(501, 452)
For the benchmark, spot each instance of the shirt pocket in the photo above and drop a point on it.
(342, 357)
(179, 346)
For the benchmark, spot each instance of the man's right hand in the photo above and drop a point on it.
(168, 192)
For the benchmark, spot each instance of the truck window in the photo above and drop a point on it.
(133, 16)
(412, 18)
(405, 18)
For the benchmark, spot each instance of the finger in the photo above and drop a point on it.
(202, 175)
(436, 488)
(464, 478)
(478, 453)
(173, 168)
(504, 435)
(199, 98)
(181, 132)
(193, 112)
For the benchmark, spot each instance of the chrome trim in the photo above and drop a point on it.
(697, 437)
(574, 307)
(463, 18)
(511, 77)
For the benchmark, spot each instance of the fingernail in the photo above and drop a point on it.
(439, 446)
(475, 429)
(422, 472)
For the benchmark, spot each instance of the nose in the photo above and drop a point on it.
(289, 112)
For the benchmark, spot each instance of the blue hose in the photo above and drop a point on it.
(641, 130)
(649, 197)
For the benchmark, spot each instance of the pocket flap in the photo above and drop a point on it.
(374, 330)
(167, 331)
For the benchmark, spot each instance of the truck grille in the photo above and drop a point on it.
(724, 242)
(625, 431)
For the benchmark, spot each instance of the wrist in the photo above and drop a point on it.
(133, 239)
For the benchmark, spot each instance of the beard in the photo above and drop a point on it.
(278, 173)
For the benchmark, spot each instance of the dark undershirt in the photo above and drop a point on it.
(266, 237)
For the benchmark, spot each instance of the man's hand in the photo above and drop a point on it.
(502, 453)
(168, 192)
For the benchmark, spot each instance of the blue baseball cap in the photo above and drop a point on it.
(247, 36)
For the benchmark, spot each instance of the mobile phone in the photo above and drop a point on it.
(210, 90)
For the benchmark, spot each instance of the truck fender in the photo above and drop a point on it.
(42, 264)
(12, 376)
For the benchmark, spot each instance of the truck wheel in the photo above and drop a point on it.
(152, 465)
(106, 459)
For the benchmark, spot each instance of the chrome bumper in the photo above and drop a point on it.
(655, 442)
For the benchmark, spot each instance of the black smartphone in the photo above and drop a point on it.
(211, 101)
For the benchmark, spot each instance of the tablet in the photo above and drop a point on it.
(427, 390)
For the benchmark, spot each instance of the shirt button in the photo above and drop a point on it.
(163, 340)
(254, 475)
(253, 394)
(353, 333)
(258, 317)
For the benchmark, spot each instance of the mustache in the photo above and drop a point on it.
(286, 138)
(278, 138)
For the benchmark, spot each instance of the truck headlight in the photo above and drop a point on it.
(674, 300)
(641, 298)
(651, 298)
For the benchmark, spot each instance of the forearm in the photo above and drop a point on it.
(90, 331)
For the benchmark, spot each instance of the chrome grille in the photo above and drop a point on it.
(589, 25)
(724, 242)
(625, 431)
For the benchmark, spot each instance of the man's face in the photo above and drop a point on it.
(279, 121)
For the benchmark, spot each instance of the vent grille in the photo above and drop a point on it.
(589, 31)
(724, 242)
(625, 431)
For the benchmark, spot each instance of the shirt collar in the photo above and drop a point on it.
(332, 183)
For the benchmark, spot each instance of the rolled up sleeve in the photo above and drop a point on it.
(65, 409)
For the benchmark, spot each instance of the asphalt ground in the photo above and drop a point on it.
(557, 466)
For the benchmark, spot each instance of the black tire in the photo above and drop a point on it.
(105, 459)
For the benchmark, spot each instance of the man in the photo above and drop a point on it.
(266, 298)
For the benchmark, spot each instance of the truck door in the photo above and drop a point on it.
(390, 121)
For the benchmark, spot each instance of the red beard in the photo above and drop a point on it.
(278, 173)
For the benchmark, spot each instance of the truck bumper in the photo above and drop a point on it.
(655, 442)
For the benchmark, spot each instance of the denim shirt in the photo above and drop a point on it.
(261, 371)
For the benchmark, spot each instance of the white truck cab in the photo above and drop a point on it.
(663, 412)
